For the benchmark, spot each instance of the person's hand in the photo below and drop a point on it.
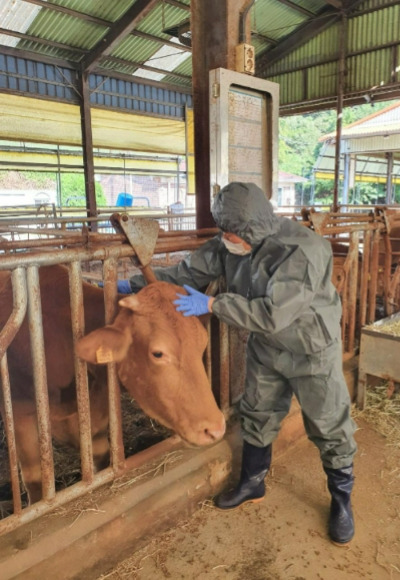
(124, 287)
(195, 304)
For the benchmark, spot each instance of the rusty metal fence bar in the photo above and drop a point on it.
(82, 387)
(40, 382)
(6, 336)
(28, 224)
(114, 401)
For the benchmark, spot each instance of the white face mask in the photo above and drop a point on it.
(236, 249)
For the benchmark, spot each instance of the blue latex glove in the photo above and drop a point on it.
(195, 304)
(124, 287)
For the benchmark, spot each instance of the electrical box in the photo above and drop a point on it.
(245, 59)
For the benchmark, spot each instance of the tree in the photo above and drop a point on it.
(73, 190)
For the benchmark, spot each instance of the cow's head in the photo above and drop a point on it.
(159, 355)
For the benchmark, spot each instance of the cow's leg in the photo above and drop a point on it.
(27, 440)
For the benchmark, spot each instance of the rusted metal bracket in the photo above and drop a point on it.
(142, 234)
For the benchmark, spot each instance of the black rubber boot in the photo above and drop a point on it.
(341, 523)
(251, 488)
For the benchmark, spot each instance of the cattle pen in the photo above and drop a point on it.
(121, 498)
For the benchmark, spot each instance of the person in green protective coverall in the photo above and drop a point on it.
(279, 288)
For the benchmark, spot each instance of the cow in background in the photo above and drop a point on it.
(159, 363)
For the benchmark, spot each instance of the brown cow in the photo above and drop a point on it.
(162, 350)
(159, 355)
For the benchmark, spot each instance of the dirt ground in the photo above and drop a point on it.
(285, 537)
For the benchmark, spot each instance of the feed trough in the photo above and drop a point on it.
(379, 353)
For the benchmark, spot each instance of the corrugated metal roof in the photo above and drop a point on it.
(384, 122)
(367, 140)
(368, 167)
(275, 20)
(15, 16)
(304, 64)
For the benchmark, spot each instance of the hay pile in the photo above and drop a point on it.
(382, 412)
(392, 328)
(138, 430)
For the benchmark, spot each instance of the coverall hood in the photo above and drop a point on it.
(244, 210)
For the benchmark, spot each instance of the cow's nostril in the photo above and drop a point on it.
(214, 434)
(209, 434)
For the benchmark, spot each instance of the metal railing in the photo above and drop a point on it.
(25, 267)
(365, 269)
(29, 223)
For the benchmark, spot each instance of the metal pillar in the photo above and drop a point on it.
(341, 80)
(87, 148)
(215, 34)
(389, 178)
(346, 179)
(349, 176)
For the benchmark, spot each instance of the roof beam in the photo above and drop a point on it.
(42, 41)
(139, 65)
(298, 8)
(264, 38)
(178, 4)
(118, 31)
(108, 23)
(30, 55)
(160, 40)
(335, 3)
(69, 11)
(323, 20)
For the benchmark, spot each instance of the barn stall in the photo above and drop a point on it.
(124, 471)
(360, 277)
(81, 94)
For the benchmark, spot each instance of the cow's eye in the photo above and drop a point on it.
(157, 354)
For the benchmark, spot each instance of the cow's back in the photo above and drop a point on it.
(57, 330)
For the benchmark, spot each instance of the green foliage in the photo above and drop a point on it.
(298, 140)
(73, 191)
(323, 192)
(362, 193)
(41, 180)
(368, 193)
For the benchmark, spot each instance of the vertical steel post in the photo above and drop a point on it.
(339, 111)
(389, 178)
(87, 148)
(40, 381)
(6, 337)
(82, 388)
(114, 396)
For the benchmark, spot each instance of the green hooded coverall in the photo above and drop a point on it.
(282, 294)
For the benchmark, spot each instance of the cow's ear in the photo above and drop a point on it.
(104, 345)
(132, 302)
